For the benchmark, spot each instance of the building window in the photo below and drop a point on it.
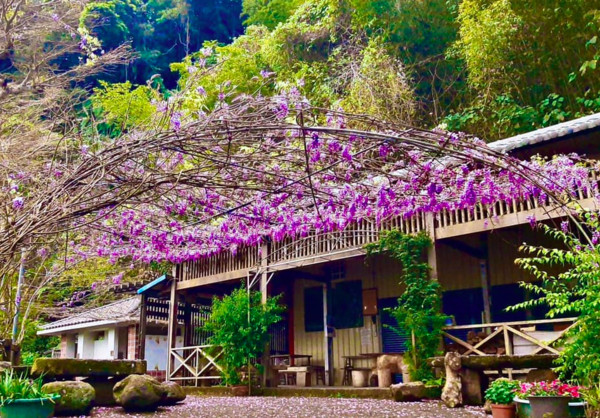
(313, 309)
(347, 305)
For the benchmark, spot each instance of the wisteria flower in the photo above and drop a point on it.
(18, 203)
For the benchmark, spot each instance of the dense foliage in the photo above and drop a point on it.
(239, 323)
(161, 31)
(574, 290)
(419, 311)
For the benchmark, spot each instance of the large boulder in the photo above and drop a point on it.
(76, 398)
(139, 393)
(174, 393)
(408, 392)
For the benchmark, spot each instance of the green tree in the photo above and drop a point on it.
(268, 12)
(529, 64)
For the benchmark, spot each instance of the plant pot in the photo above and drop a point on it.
(30, 408)
(549, 406)
(240, 390)
(576, 408)
(503, 411)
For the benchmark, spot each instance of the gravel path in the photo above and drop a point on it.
(264, 407)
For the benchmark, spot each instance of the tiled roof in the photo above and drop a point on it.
(123, 310)
(546, 134)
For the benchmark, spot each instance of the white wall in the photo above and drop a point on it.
(85, 345)
(156, 351)
(89, 346)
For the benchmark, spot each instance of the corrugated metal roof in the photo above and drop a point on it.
(545, 134)
(123, 310)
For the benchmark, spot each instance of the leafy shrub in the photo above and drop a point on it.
(14, 387)
(573, 291)
(502, 391)
(239, 323)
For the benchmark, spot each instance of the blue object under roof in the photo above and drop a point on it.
(162, 279)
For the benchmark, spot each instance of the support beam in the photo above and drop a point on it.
(172, 327)
(484, 272)
(141, 354)
(328, 340)
(485, 290)
(264, 281)
(431, 251)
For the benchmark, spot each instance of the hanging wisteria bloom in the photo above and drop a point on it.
(275, 168)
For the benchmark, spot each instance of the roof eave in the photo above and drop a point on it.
(85, 325)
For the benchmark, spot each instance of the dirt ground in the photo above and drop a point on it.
(264, 407)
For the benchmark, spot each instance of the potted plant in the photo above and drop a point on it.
(500, 394)
(239, 324)
(549, 399)
(23, 397)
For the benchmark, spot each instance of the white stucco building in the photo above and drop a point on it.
(112, 332)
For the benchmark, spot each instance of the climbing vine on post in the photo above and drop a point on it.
(419, 310)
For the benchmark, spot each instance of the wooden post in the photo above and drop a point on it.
(485, 289)
(485, 278)
(172, 328)
(141, 354)
(328, 340)
(431, 251)
(264, 264)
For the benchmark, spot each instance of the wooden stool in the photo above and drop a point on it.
(347, 380)
(319, 374)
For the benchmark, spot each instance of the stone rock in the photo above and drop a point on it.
(139, 393)
(540, 375)
(76, 398)
(174, 393)
(408, 392)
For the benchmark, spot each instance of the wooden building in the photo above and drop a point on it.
(329, 276)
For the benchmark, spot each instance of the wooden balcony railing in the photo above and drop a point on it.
(508, 338)
(317, 247)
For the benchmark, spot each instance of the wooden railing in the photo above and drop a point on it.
(352, 238)
(490, 214)
(508, 338)
(245, 258)
(195, 363)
